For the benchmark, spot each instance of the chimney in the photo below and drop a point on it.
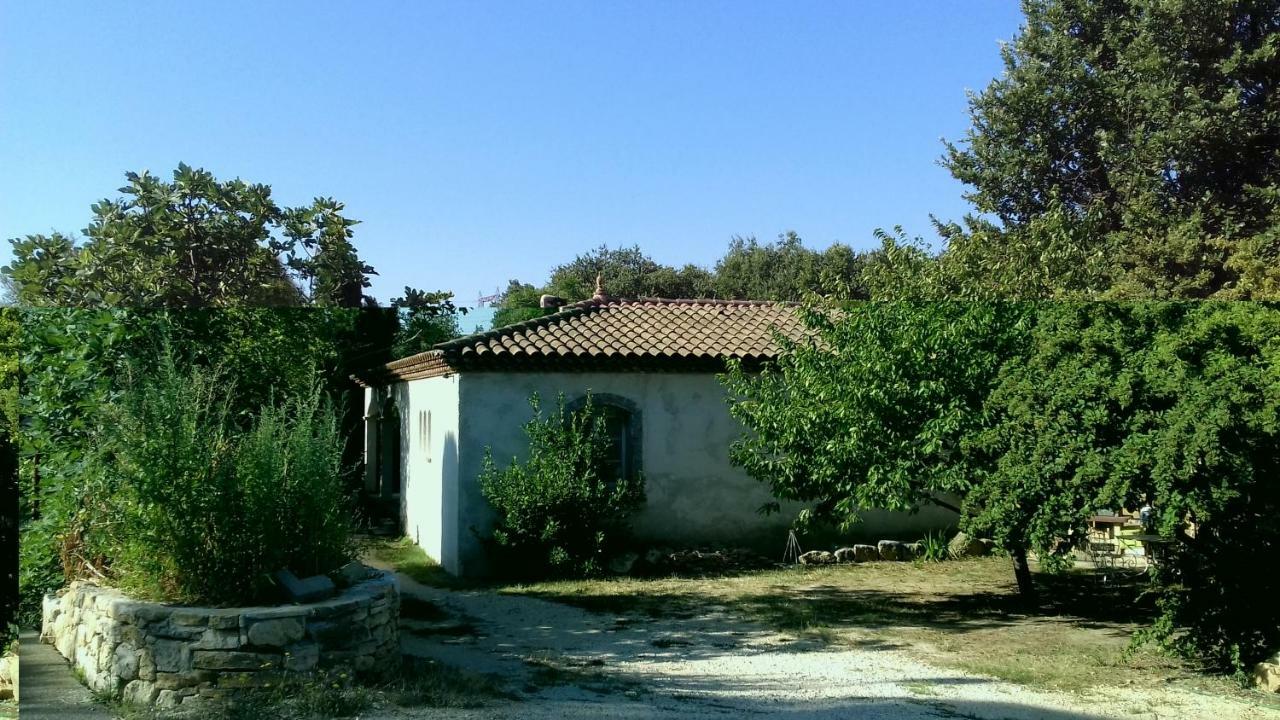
(550, 301)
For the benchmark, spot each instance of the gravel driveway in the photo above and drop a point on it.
(565, 662)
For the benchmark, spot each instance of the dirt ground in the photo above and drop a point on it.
(905, 645)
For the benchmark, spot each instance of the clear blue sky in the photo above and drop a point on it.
(480, 142)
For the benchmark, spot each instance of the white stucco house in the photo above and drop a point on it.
(652, 362)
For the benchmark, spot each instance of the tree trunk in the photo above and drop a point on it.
(1022, 573)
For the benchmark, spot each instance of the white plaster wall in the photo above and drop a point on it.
(695, 496)
(429, 463)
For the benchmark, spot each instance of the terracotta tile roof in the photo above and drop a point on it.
(606, 334)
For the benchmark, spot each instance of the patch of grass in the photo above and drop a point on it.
(425, 683)
(963, 614)
(301, 697)
(404, 556)
(923, 689)
(589, 675)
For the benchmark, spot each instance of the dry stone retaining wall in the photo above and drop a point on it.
(168, 655)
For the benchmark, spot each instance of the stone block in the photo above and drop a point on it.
(304, 590)
(234, 660)
(891, 550)
(1266, 676)
(171, 656)
(817, 557)
(139, 692)
(964, 546)
(350, 574)
(276, 633)
(224, 619)
(302, 657)
(332, 634)
(215, 639)
(124, 662)
(846, 555)
(865, 553)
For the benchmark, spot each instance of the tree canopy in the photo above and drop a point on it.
(1130, 150)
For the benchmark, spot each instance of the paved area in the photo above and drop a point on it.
(50, 690)
(717, 666)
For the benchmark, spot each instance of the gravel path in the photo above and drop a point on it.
(570, 663)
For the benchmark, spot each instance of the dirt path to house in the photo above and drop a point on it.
(564, 662)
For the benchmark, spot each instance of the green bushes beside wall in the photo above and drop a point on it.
(190, 507)
(561, 512)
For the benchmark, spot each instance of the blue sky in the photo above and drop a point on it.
(480, 142)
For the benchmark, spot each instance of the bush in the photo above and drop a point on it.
(1178, 404)
(559, 512)
(195, 509)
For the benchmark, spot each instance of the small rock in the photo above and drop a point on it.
(892, 550)
(846, 555)
(817, 557)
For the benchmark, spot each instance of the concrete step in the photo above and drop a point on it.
(49, 688)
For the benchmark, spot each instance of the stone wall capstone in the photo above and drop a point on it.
(166, 655)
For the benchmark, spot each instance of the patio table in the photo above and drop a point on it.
(1153, 546)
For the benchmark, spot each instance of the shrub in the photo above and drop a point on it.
(560, 513)
(199, 510)
(934, 548)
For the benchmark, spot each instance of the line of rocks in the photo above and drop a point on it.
(153, 654)
(960, 546)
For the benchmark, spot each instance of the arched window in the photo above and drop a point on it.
(622, 425)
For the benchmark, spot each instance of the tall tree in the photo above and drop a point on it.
(194, 242)
(1131, 149)
(786, 270)
(628, 273)
(425, 320)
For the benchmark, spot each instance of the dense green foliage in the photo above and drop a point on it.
(1175, 403)
(786, 270)
(192, 242)
(185, 505)
(560, 512)
(204, 266)
(875, 410)
(749, 270)
(1130, 149)
(425, 319)
(9, 338)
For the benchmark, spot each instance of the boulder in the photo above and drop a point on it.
(914, 550)
(8, 676)
(892, 550)
(865, 553)
(964, 546)
(846, 555)
(1266, 676)
(817, 557)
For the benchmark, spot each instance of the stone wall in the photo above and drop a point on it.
(168, 655)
